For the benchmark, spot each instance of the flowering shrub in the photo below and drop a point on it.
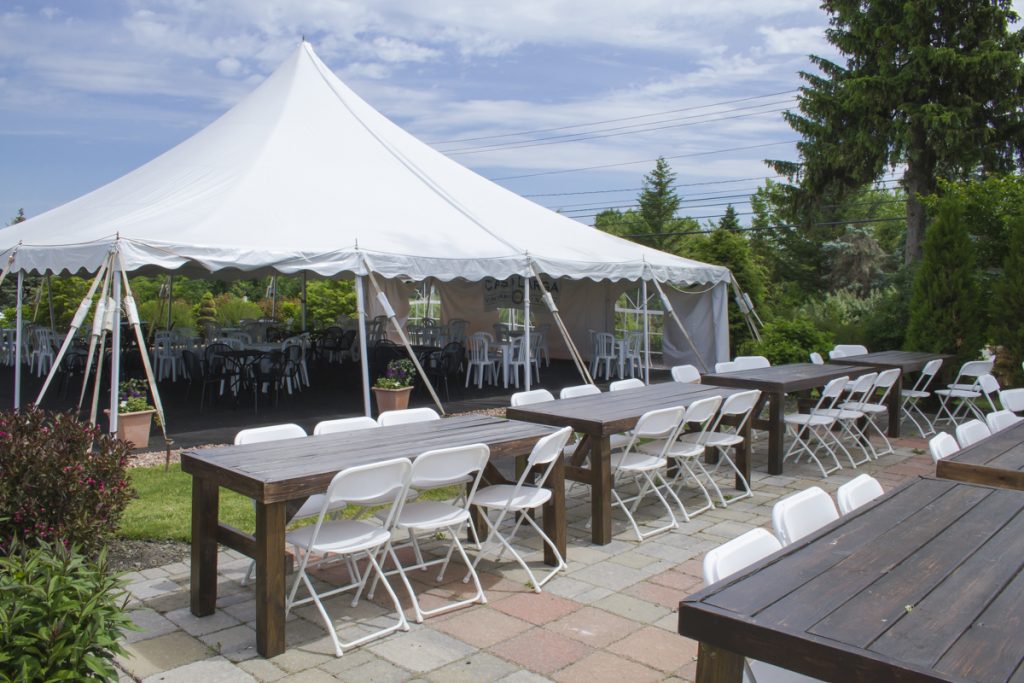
(61, 480)
(133, 396)
(400, 374)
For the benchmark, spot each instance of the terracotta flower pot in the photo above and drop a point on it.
(134, 427)
(392, 399)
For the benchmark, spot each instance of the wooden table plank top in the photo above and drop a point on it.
(907, 361)
(997, 460)
(926, 583)
(295, 468)
(784, 378)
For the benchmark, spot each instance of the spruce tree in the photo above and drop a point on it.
(658, 205)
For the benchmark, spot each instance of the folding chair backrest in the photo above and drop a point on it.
(700, 412)
(271, 433)
(831, 392)
(928, 373)
(851, 349)
(408, 416)
(548, 448)
(858, 491)
(836, 353)
(579, 390)
(816, 358)
(942, 445)
(374, 484)
(622, 384)
(802, 513)
(1002, 419)
(739, 553)
(751, 362)
(444, 465)
(861, 388)
(524, 398)
(687, 374)
(725, 366)
(1012, 399)
(884, 383)
(971, 432)
(989, 386)
(345, 424)
(663, 423)
(973, 369)
(740, 404)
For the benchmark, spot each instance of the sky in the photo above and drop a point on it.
(568, 102)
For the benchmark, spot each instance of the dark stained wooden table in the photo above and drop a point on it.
(599, 416)
(281, 474)
(923, 584)
(996, 461)
(907, 362)
(775, 382)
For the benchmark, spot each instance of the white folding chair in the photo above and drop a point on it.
(971, 432)
(407, 416)
(816, 358)
(686, 374)
(750, 362)
(860, 490)
(817, 426)
(686, 453)
(1002, 419)
(1012, 399)
(515, 502)
(851, 349)
(352, 539)
(942, 445)
(434, 517)
(623, 384)
(523, 398)
(802, 513)
(724, 437)
(345, 424)
(726, 560)
(726, 366)
(912, 397)
(964, 389)
(874, 404)
(851, 420)
(579, 390)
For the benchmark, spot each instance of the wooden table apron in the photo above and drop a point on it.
(775, 382)
(996, 461)
(924, 584)
(599, 416)
(279, 475)
(906, 362)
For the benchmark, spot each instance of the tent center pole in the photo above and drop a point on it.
(647, 336)
(303, 301)
(170, 300)
(363, 361)
(18, 341)
(115, 350)
(526, 330)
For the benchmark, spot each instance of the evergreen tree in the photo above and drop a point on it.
(1007, 309)
(729, 220)
(934, 85)
(944, 310)
(658, 205)
(207, 314)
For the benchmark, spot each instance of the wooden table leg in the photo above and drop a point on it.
(554, 513)
(270, 584)
(205, 515)
(601, 490)
(715, 665)
(743, 454)
(894, 401)
(776, 431)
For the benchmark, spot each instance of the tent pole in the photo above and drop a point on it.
(49, 302)
(303, 301)
(526, 328)
(98, 317)
(647, 337)
(574, 353)
(115, 352)
(672, 313)
(170, 301)
(364, 363)
(18, 337)
(273, 299)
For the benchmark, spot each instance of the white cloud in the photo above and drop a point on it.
(800, 40)
(398, 50)
(229, 66)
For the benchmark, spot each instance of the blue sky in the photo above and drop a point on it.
(91, 90)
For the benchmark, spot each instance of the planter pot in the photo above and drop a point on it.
(392, 399)
(134, 427)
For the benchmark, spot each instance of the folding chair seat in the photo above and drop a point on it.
(523, 398)
(964, 389)
(805, 427)
(407, 416)
(802, 513)
(352, 539)
(971, 432)
(941, 446)
(515, 502)
(1002, 419)
(913, 396)
(685, 453)
(874, 404)
(686, 374)
(725, 437)
(860, 490)
(624, 384)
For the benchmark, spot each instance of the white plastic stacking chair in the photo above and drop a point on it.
(407, 416)
(523, 398)
(816, 358)
(686, 374)
(731, 557)
(852, 420)
(941, 446)
(964, 389)
(726, 366)
(513, 503)
(519, 360)
(802, 513)
(814, 425)
(481, 360)
(913, 396)
(604, 355)
(624, 384)
(750, 362)
(860, 490)
(352, 539)
(631, 359)
(656, 433)
(344, 424)
(1002, 419)
(165, 357)
(686, 454)
(971, 432)
(875, 405)
(432, 517)
(579, 390)
(725, 437)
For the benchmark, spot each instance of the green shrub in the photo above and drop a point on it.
(231, 309)
(60, 480)
(788, 341)
(59, 615)
(155, 312)
(1007, 309)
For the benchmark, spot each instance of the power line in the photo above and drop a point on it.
(638, 189)
(856, 221)
(745, 213)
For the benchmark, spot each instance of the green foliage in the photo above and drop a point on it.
(327, 299)
(658, 204)
(729, 220)
(231, 309)
(399, 374)
(133, 396)
(945, 312)
(1007, 309)
(788, 341)
(59, 615)
(156, 314)
(207, 311)
(60, 479)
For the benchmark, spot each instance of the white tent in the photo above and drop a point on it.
(303, 176)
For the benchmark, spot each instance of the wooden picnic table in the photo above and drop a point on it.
(907, 362)
(775, 382)
(280, 475)
(923, 584)
(599, 416)
(996, 461)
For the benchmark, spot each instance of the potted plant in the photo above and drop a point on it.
(392, 389)
(135, 412)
